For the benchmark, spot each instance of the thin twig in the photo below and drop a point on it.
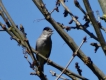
(77, 22)
(70, 42)
(68, 72)
(95, 25)
(54, 74)
(20, 36)
(71, 59)
(9, 32)
(38, 20)
(30, 50)
(98, 16)
(2, 30)
(52, 10)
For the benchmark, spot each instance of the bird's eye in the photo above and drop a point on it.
(47, 29)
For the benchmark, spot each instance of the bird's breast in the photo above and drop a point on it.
(44, 46)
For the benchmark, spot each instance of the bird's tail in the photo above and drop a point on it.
(42, 68)
(43, 77)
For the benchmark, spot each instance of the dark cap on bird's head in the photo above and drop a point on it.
(48, 29)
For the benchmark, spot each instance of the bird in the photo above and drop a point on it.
(44, 46)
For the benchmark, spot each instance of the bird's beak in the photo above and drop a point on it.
(51, 31)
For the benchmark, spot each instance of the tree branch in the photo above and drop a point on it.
(69, 40)
(95, 25)
(103, 5)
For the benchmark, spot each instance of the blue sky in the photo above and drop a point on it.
(13, 65)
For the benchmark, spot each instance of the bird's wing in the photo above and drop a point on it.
(36, 48)
(49, 50)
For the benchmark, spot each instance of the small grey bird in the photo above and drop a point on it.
(44, 45)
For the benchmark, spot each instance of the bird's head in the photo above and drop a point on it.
(47, 31)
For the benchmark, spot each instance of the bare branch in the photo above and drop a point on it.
(77, 22)
(55, 74)
(73, 56)
(96, 26)
(70, 42)
(2, 30)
